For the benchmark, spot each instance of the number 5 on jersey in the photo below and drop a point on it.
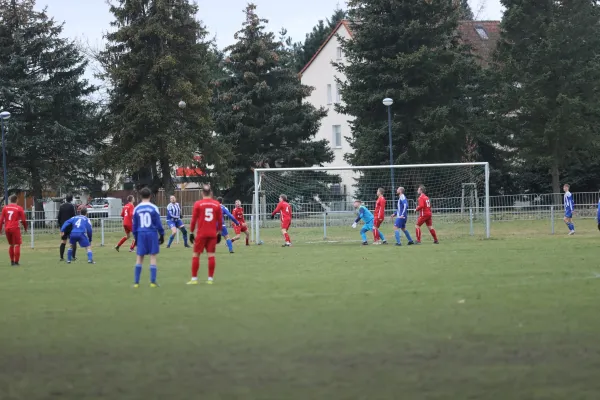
(208, 214)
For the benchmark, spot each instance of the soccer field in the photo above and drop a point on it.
(514, 317)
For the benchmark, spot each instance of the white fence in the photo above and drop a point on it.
(521, 207)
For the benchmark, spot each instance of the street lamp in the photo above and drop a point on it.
(4, 115)
(388, 103)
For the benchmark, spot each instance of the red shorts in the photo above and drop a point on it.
(128, 229)
(426, 219)
(205, 243)
(377, 222)
(14, 237)
(240, 228)
(286, 225)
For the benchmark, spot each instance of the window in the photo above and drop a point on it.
(337, 136)
(339, 53)
(338, 94)
(329, 94)
(481, 32)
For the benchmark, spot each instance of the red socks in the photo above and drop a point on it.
(375, 234)
(287, 238)
(432, 231)
(195, 266)
(211, 266)
(247, 241)
(418, 234)
(132, 245)
(17, 252)
(11, 253)
(123, 239)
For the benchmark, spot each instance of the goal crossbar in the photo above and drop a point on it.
(259, 172)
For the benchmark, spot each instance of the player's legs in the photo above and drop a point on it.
(184, 232)
(211, 266)
(284, 231)
(73, 239)
(399, 223)
(238, 232)
(63, 245)
(173, 228)
(137, 271)
(85, 243)
(429, 224)
(363, 232)
(153, 270)
(228, 241)
(199, 246)
(407, 234)
(569, 222)
(420, 222)
(124, 238)
(247, 237)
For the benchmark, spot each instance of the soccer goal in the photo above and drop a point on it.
(322, 198)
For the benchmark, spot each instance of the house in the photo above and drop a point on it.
(320, 74)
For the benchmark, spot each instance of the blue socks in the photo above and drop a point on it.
(171, 238)
(70, 254)
(571, 226)
(138, 273)
(229, 245)
(381, 236)
(407, 235)
(397, 234)
(185, 236)
(153, 271)
(363, 235)
(90, 256)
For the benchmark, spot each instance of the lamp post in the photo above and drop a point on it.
(4, 115)
(388, 103)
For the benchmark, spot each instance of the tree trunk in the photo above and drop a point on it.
(38, 207)
(167, 180)
(554, 171)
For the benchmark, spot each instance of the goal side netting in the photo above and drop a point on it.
(322, 199)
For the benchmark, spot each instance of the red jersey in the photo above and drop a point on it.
(12, 214)
(424, 207)
(284, 210)
(127, 214)
(207, 215)
(380, 208)
(238, 214)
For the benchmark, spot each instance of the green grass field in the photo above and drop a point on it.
(514, 317)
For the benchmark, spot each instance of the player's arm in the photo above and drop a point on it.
(277, 209)
(195, 213)
(23, 220)
(88, 228)
(169, 210)
(219, 218)
(360, 214)
(123, 212)
(2, 216)
(231, 217)
(134, 226)
(403, 209)
(158, 223)
(420, 204)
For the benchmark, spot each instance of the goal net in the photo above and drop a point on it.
(322, 199)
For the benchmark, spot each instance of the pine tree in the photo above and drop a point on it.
(465, 10)
(546, 105)
(419, 63)
(157, 57)
(51, 141)
(306, 50)
(260, 109)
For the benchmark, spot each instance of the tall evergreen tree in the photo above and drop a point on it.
(158, 56)
(419, 63)
(260, 109)
(304, 51)
(50, 139)
(546, 105)
(465, 10)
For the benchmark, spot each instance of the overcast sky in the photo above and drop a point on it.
(88, 20)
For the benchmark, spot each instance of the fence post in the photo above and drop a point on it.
(102, 231)
(471, 230)
(325, 226)
(32, 227)
(552, 218)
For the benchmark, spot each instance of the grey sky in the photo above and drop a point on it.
(87, 20)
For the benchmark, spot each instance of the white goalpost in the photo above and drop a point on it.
(322, 197)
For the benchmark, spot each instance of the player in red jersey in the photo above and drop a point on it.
(379, 217)
(127, 215)
(12, 215)
(207, 215)
(285, 211)
(238, 213)
(424, 211)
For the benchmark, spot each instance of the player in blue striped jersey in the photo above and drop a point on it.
(401, 215)
(149, 234)
(569, 208)
(367, 218)
(175, 221)
(224, 231)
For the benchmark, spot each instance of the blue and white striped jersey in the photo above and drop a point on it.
(569, 204)
(402, 210)
(173, 211)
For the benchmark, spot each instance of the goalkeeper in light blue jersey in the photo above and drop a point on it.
(367, 217)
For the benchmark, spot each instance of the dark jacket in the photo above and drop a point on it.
(65, 213)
